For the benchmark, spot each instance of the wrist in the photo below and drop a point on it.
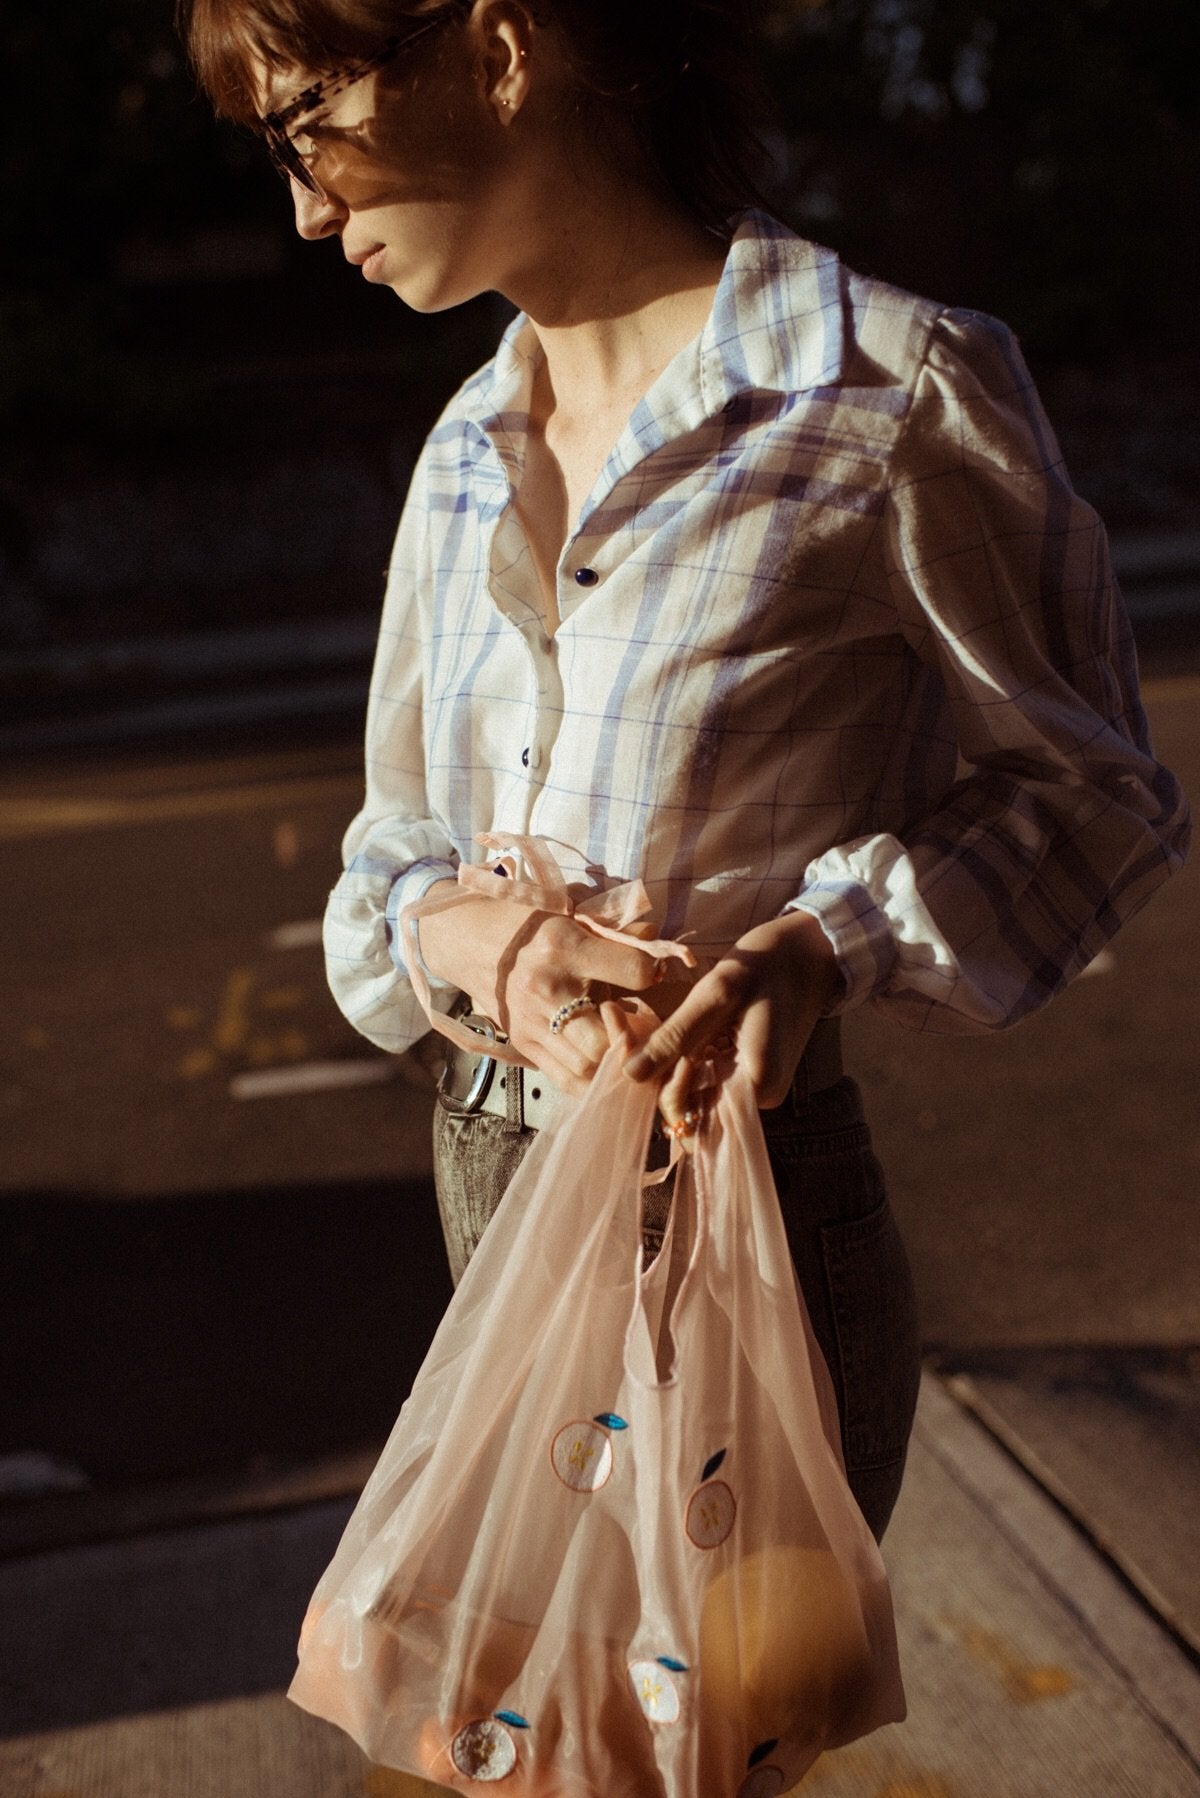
(425, 940)
(816, 960)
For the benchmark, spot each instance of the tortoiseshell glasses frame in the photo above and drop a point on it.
(276, 128)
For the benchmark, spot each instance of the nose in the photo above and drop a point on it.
(317, 215)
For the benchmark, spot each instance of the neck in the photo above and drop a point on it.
(614, 282)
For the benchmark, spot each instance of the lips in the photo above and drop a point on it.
(360, 257)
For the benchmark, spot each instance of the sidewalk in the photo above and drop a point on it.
(156, 1666)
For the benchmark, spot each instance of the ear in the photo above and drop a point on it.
(505, 35)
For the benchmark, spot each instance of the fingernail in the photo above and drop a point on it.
(638, 1066)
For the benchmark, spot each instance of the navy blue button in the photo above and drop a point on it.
(524, 758)
(587, 577)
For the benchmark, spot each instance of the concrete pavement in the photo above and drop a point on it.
(156, 1666)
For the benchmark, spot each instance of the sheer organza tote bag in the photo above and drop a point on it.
(609, 1550)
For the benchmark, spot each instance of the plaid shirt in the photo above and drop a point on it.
(836, 633)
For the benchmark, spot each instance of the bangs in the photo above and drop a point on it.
(229, 40)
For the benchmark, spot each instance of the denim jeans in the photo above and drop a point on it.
(849, 1257)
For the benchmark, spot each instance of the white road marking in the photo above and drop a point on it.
(294, 936)
(310, 1077)
(31, 1471)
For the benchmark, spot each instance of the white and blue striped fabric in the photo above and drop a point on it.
(835, 633)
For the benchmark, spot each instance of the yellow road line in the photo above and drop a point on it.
(38, 817)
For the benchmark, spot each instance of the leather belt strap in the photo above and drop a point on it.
(525, 1098)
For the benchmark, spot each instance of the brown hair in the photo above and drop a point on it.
(226, 37)
(682, 72)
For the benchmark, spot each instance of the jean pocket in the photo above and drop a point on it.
(876, 1335)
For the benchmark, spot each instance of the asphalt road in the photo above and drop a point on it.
(220, 1240)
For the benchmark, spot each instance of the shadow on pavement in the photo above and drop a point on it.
(156, 1340)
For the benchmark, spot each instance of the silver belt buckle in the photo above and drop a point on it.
(476, 1087)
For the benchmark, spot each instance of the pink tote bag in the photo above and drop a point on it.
(609, 1550)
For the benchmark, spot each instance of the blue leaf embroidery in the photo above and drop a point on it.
(610, 1420)
(762, 1751)
(666, 1660)
(513, 1717)
(711, 1465)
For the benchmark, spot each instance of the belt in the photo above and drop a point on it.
(527, 1100)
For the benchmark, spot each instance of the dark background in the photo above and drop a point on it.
(207, 423)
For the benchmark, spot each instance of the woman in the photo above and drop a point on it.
(734, 573)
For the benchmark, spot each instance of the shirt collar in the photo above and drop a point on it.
(776, 326)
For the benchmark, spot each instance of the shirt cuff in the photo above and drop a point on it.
(412, 885)
(861, 936)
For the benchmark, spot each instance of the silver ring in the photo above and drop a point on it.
(571, 1009)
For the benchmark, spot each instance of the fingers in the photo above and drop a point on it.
(551, 966)
(680, 1104)
(598, 958)
(706, 1013)
(675, 1094)
(580, 1045)
(680, 1052)
(614, 1015)
(571, 1058)
(763, 997)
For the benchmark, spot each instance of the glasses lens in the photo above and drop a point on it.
(289, 162)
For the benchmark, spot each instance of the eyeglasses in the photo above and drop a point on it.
(296, 153)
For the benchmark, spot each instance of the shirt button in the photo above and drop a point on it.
(587, 577)
(525, 758)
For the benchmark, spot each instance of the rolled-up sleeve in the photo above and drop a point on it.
(394, 850)
(1063, 822)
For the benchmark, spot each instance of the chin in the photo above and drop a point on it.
(429, 298)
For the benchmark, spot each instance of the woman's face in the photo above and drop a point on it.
(414, 164)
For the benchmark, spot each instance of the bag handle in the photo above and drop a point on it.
(732, 1115)
(689, 1201)
(525, 873)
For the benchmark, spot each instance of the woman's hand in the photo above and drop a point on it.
(766, 994)
(519, 966)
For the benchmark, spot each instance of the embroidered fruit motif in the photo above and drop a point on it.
(783, 1650)
(655, 1691)
(461, 1754)
(482, 1749)
(710, 1513)
(581, 1455)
